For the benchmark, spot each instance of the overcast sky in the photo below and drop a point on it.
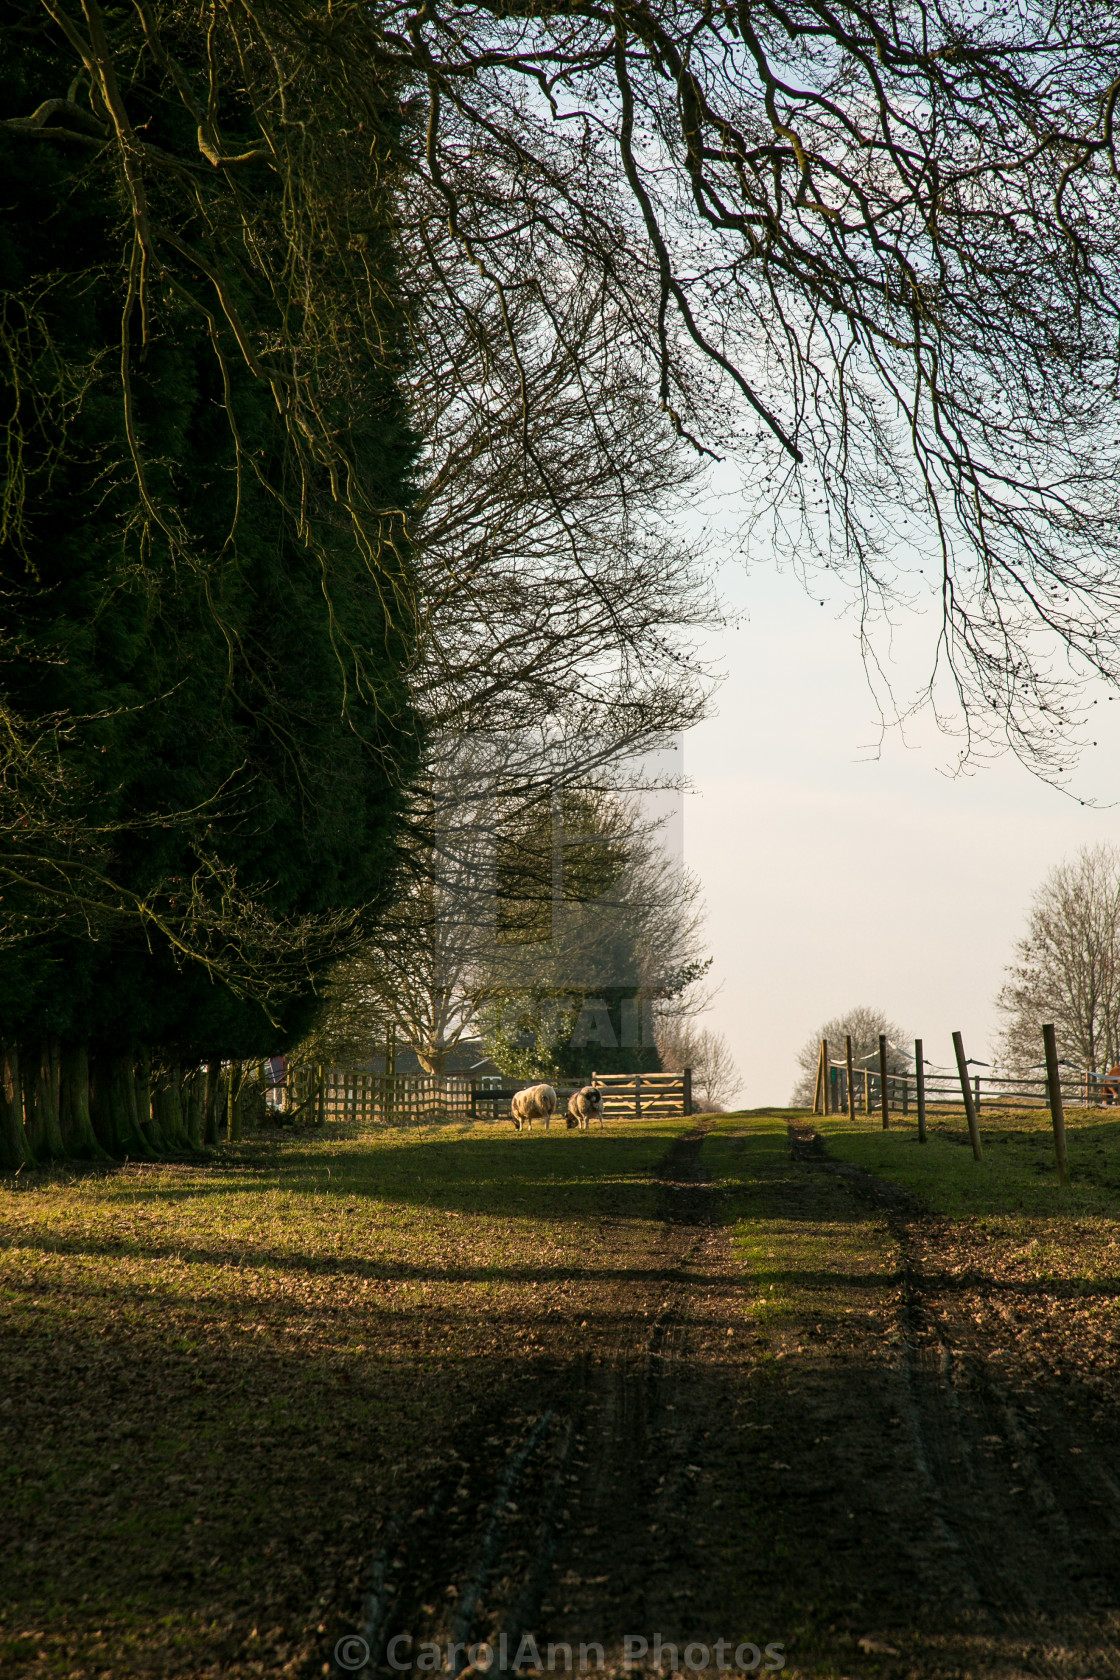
(839, 873)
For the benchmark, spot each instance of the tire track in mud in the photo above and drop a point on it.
(578, 1529)
(915, 1513)
(1014, 1533)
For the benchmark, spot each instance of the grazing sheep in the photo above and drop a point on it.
(537, 1102)
(584, 1106)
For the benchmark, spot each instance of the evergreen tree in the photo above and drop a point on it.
(208, 611)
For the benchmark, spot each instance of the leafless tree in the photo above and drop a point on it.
(621, 920)
(422, 974)
(559, 615)
(507, 936)
(870, 258)
(682, 1043)
(865, 1025)
(1067, 966)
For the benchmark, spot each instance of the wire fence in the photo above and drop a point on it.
(1080, 1087)
(851, 1086)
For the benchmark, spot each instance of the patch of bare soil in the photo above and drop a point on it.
(987, 1443)
(913, 1473)
(598, 1516)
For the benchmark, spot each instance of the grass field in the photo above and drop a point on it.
(213, 1372)
(1017, 1174)
(690, 1380)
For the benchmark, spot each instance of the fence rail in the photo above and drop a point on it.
(840, 1084)
(1080, 1087)
(645, 1094)
(351, 1094)
(324, 1093)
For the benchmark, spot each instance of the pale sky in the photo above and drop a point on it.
(835, 878)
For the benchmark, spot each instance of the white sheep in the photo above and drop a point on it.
(536, 1102)
(584, 1106)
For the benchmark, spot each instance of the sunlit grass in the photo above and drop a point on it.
(1018, 1171)
(806, 1248)
(219, 1372)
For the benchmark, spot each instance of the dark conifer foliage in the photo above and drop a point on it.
(208, 612)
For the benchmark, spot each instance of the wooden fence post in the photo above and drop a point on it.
(883, 1101)
(1057, 1113)
(686, 1093)
(819, 1084)
(851, 1078)
(825, 1071)
(966, 1092)
(920, 1087)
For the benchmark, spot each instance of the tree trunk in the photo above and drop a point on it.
(44, 1079)
(171, 1110)
(212, 1103)
(216, 1123)
(14, 1147)
(101, 1104)
(112, 1106)
(34, 1120)
(235, 1083)
(194, 1103)
(137, 1137)
(145, 1107)
(77, 1124)
(52, 1068)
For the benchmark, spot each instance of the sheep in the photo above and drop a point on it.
(536, 1102)
(583, 1106)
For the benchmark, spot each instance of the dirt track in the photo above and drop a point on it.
(917, 1475)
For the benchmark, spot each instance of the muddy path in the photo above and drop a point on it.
(859, 1451)
(580, 1516)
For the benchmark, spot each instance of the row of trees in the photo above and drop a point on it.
(302, 615)
(210, 604)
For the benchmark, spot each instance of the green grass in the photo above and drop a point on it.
(215, 1372)
(1017, 1174)
(806, 1247)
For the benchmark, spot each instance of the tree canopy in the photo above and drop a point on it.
(209, 597)
(867, 258)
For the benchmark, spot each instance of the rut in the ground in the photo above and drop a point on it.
(851, 1484)
(1022, 1506)
(573, 1522)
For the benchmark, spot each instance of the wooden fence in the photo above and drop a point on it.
(401, 1099)
(394, 1099)
(637, 1094)
(1080, 1086)
(838, 1086)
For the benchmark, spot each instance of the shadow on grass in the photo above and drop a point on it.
(216, 1510)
